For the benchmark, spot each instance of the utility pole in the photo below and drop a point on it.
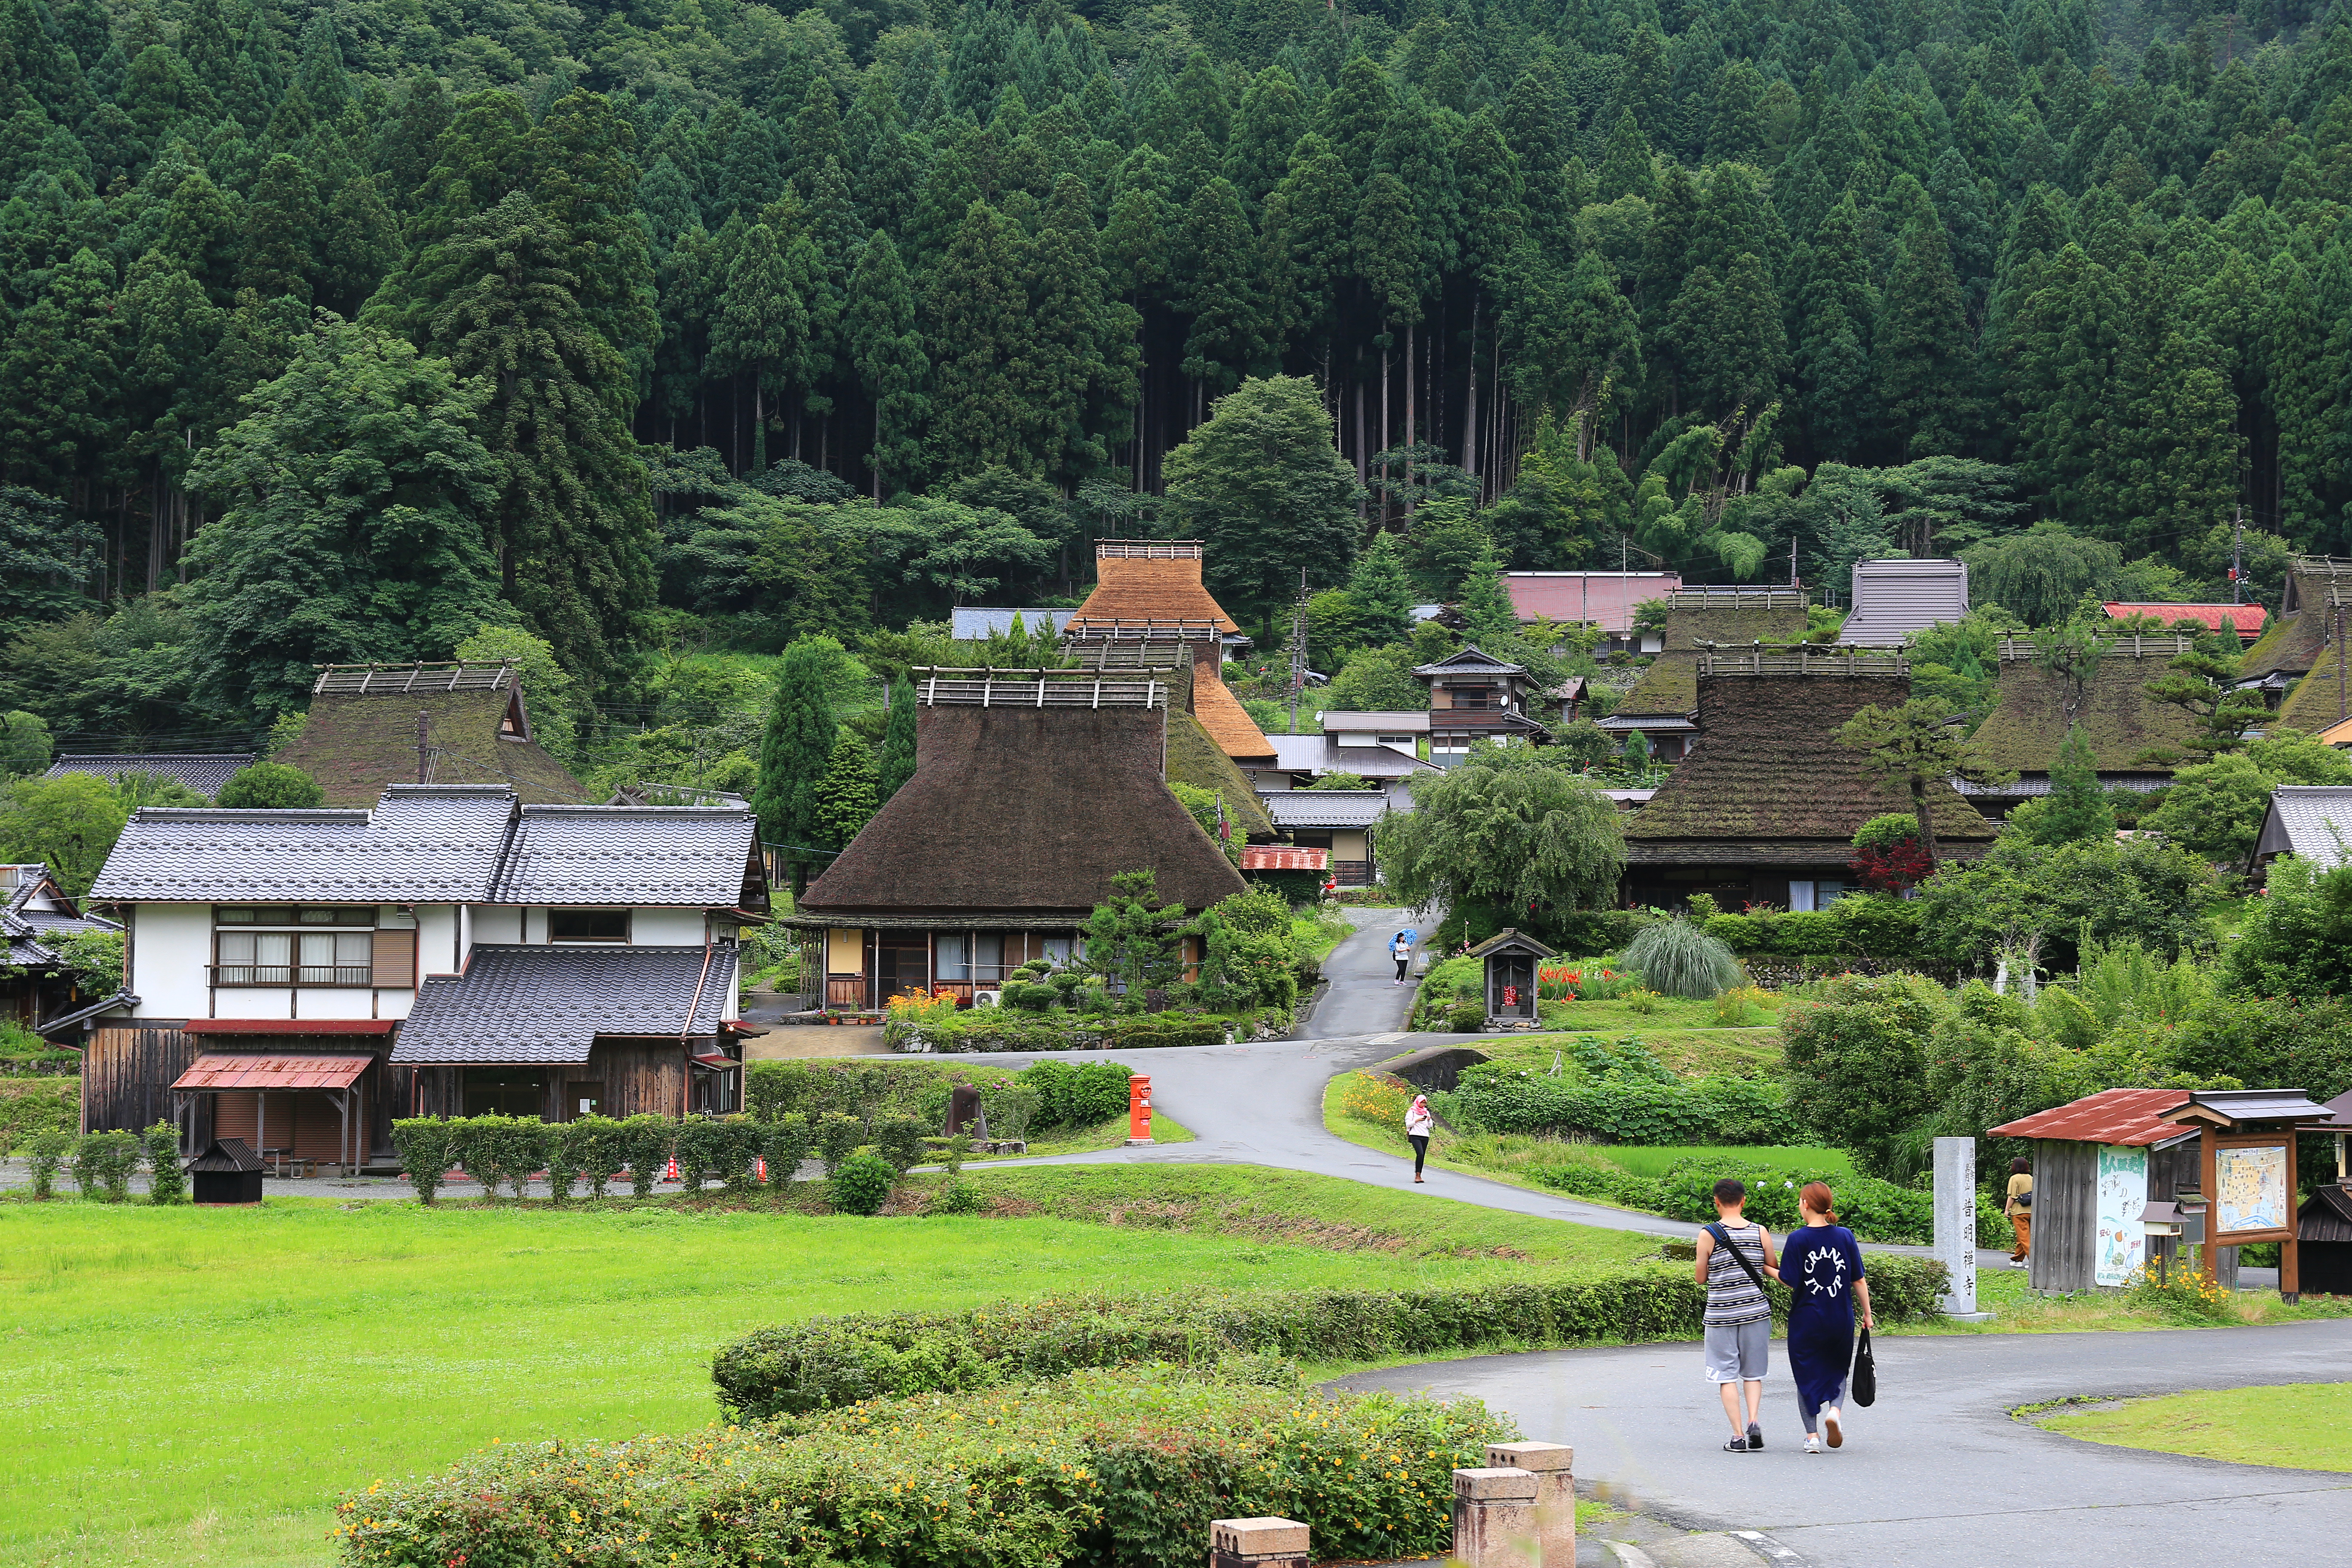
(2342, 711)
(1297, 649)
(2237, 553)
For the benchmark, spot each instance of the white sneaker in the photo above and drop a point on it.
(1812, 1444)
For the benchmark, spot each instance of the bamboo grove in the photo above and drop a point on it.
(1745, 288)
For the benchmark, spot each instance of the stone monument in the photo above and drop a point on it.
(1955, 1224)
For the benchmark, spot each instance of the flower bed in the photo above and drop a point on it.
(1126, 1468)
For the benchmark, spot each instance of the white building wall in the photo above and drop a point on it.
(666, 928)
(436, 940)
(171, 944)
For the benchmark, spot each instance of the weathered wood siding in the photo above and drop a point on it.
(2065, 1214)
(127, 1073)
(308, 1124)
(640, 1077)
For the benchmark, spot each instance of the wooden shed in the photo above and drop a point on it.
(2324, 1223)
(2100, 1160)
(1510, 959)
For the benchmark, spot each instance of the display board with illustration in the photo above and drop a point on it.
(2122, 1194)
(2252, 1189)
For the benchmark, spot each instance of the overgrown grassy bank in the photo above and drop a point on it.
(2305, 1425)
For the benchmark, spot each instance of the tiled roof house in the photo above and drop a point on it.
(1765, 809)
(371, 726)
(1031, 792)
(478, 953)
(202, 773)
(36, 988)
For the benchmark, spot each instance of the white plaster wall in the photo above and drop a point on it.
(436, 940)
(170, 946)
(666, 928)
(501, 923)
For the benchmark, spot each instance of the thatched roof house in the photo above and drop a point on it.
(2315, 585)
(1032, 789)
(2038, 703)
(1664, 702)
(1150, 591)
(374, 725)
(1766, 807)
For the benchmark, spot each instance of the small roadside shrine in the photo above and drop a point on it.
(1510, 960)
(2226, 1158)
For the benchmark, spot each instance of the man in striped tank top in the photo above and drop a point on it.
(1734, 1257)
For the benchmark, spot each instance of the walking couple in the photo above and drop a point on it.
(1823, 1268)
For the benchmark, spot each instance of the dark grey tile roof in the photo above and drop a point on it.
(424, 844)
(435, 844)
(202, 771)
(688, 855)
(1329, 807)
(550, 1004)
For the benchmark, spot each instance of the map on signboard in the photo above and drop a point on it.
(2255, 1187)
(2123, 1194)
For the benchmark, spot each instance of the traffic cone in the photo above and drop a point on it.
(760, 1166)
(670, 1174)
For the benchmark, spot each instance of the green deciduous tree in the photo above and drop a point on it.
(1514, 829)
(353, 499)
(68, 824)
(1916, 746)
(270, 787)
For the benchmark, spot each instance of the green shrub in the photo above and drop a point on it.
(823, 1362)
(48, 1151)
(1011, 1106)
(899, 1141)
(30, 1106)
(838, 1133)
(784, 1144)
(1677, 959)
(1466, 1018)
(861, 1184)
(166, 1181)
(1621, 1108)
(103, 1163)
(1125, 1469)
(958, 1197)
(646, 1141)
(428, 1147)
(1873, 1210)
(1857, 1061)
(1030, 996)
(738, 1151)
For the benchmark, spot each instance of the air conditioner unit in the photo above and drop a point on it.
(988, 998)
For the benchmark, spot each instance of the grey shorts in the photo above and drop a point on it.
(1735, 1352)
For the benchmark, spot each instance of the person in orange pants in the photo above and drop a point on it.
(2019, 1209)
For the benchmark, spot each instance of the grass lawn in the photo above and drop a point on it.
(194, 1386)
(1691, 1052)
(2305, 1426)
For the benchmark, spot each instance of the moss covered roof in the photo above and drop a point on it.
(2028, 723)
(1671, 683)
(1195, 758)
(2296, 640)
(355, 745)
(1769, 771)
(2312, 704)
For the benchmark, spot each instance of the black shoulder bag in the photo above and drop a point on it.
(1723, 1240)
(1866, 1372)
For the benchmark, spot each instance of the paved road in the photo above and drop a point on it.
(1938, 1474)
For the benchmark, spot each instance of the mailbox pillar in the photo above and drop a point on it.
(1138, 1110)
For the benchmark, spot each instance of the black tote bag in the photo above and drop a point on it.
(1866, 1372)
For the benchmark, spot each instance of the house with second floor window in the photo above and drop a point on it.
(39, 987)
(299, 979)
(1474, 696)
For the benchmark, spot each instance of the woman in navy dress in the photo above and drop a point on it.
(1823, 1268)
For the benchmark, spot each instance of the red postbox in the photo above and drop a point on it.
(1138, 1110)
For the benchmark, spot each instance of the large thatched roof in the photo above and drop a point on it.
(1024, 810)
(1770, 781)
(2291, 646)
(1728, 616)
(2030, 716)
(360, 734)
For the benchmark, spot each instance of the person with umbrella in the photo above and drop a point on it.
(1401, 949)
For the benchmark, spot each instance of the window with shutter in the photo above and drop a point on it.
(394, 959)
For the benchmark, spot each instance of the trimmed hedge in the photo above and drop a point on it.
(825, 1362)
(1859, 927)
(1122, 1469)
(1873, 1209)
(1621, 1109)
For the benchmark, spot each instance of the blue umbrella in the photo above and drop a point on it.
(1410, 933)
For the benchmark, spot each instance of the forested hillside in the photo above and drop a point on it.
(339, 333)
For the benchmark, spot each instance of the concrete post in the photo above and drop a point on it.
(1955, 1223)
(1257, 1543)
(1553, 1465)
(1494, 1518)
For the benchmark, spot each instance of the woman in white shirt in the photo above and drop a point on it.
(1419, 1122)
(1401, 949)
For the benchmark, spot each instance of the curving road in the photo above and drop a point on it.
(1938, 1474)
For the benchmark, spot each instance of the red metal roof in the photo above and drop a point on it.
(211, 1072)
(2128, 1116)
(2246, 619)
(289, 1025)
(1605, 598)
(1283, 857)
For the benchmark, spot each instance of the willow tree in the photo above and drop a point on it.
(1515, 829)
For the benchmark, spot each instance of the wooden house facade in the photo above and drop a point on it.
(1032, 791)
(1473, 696)
(1764, 811)
(299, 979)
(39, 990)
